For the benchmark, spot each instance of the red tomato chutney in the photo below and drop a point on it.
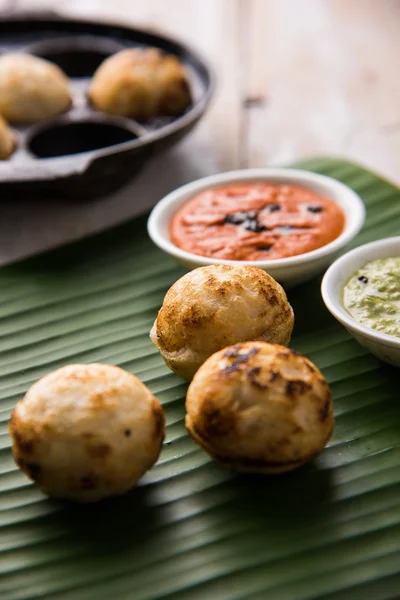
(256, 221)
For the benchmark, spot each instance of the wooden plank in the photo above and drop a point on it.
(7, 6)
(327, 74)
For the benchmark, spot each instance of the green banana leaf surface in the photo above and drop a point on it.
(192, 530)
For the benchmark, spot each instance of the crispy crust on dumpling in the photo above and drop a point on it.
(260, 408)
(31, 89)
(86, 432)
(216, 306)
(7, 140)
(140, 83)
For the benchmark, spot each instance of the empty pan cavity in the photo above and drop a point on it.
(77, 56)
(74, 137)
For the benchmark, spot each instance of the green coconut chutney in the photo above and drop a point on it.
(372, 295)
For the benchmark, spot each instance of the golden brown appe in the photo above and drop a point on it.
(31, 89)
(7, 140)
(85, 432)
(216, 306)
(140, 83)
(260, 407)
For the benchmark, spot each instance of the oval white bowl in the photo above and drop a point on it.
(385, 347)
(288, 271)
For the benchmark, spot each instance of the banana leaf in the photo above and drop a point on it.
(192, 530)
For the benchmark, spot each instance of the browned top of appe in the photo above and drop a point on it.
(215, 306)
(260, 407)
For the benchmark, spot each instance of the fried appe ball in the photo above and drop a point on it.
(31, 89)
(85, 432)
(260, 408)
(7, 140)
(216, 306)
(140, 83)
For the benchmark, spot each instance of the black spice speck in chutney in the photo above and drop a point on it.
(256, 221)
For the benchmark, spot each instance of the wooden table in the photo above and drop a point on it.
(297, 78)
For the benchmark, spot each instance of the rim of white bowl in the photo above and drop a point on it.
(353, 206)
(331, 297)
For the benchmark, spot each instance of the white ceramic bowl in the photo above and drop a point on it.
(385, 347)
(288, 271)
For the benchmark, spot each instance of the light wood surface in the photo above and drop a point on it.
(296, 78)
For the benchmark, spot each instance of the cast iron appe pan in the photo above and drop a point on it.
(85, 153)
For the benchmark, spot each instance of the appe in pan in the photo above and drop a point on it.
(7, 140)
(140, 83)
(31, 89)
